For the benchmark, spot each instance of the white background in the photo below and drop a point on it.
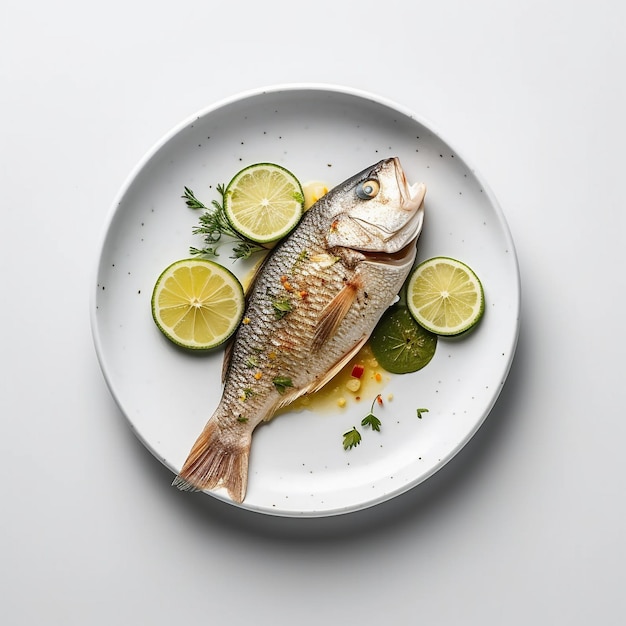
(525, 525)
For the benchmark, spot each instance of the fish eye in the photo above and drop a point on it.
(368, 189)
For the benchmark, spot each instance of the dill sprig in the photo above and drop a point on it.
(213, 225)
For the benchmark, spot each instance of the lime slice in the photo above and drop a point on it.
(264, 202)
(400, 344)
(445, 296)
(197, 303)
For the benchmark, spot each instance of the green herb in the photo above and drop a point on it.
(371, 419)
(420, 412)
(351, 438)
(281, 383)
(302, 256)
(246, 393)
(281, 307)
(242, 419)
(252, 361)
(191, 201)
(214, 224)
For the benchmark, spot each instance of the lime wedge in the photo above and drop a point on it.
(400, 344)
(445, 296)
(197, 303)
(264, 202)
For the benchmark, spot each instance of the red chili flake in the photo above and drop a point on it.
(379, 399)
(357, 371)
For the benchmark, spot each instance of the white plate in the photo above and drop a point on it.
(298, 466)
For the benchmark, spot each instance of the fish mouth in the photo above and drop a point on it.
(412, 196)
(412, 201)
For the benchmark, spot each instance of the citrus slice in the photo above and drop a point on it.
(445, 296)
(264, 202)
(400, 344)
(197, 303)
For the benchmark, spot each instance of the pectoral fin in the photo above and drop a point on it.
(334, 312)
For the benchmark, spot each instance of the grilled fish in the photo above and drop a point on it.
(312, 305)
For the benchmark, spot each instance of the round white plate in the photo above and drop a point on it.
(298, 466)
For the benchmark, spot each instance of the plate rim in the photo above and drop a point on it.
(343, 91)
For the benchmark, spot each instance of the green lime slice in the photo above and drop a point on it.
(264, 202)
(445, 296)
(400, 344)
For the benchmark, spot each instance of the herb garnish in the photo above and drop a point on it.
(303, 255)
(246, 393)
(281, 383)
(281, 307)
(214, 224)
(371, 419)
(351, 438)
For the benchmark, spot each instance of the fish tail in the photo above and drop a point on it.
(215, 462)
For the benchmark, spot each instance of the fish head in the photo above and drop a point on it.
(377, 212)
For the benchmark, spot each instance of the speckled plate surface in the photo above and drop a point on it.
(298, 466)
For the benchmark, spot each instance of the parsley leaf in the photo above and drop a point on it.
(281, 383)
(282, 307)
(371, 420)
(420, 412)
(351, 438)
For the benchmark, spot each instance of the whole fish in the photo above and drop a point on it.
(312, 305)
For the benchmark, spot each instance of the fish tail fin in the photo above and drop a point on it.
(215, 461)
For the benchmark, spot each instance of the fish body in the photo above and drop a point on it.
(312, 305)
